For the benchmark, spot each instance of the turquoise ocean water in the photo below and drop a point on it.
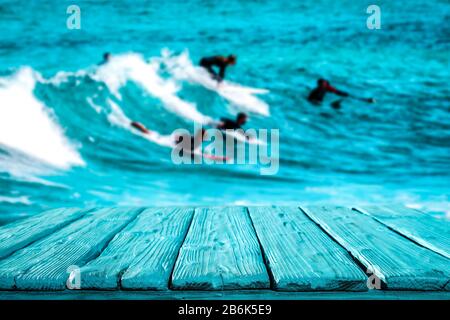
(63, 134)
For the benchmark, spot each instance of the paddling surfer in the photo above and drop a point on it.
(317, 95)
(220, 62)
(194, 141)
(229, 124)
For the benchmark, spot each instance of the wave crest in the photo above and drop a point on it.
(27, 125)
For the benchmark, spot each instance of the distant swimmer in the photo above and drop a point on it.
(106, 58)
(220, 62)
(323, 87)
(225, 123)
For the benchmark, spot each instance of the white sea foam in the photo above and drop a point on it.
(117, 117)
(244, 98)
(27, 125)
(132, 67)
(93, 105)
(16, 200)
(64, 76)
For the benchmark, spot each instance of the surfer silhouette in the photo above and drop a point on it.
(317, 95)
(106, 58)
(229, 124)
(188, 143)
(220, 62)
(323, 87)
(225, 123)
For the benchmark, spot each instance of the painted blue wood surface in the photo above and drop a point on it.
(423, 228)
(262, 294)
(152, 271)
(301, 257)
(142, 255)
(220, 252)
(398, 262)
(19, 234)
(44, 264)
(218, 249)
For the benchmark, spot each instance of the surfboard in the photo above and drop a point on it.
(231, 86)
(240, 96)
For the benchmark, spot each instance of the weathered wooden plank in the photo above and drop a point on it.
(263, 294)
(19, 234)
(301, 256)
(398, 262)
(420, 227)
(43, 265)
(221, 251)
(144, 252)
(23, 259)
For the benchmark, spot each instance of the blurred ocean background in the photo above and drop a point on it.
(64, 138)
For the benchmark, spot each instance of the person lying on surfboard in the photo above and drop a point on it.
(220, 62)
(225, 123)
(194, 146)
(317, 95)
(229, 124)
(191, 148)
(194, 140)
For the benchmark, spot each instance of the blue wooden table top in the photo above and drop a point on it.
(227, 252)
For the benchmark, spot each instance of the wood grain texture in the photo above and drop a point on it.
(144, 252)
(423, 228)
(19, 234)
(262, 295)
(301, 256)
(397, 261)
(220, 252)
(43, 265)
